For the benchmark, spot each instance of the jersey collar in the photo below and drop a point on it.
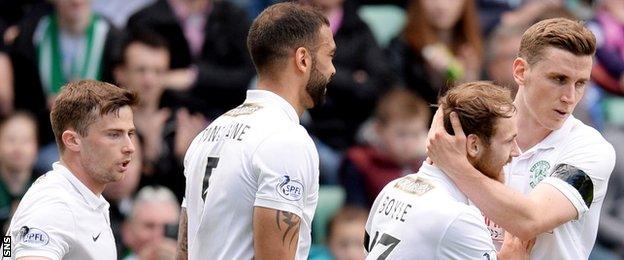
(257, 95)
(435, 173)
(94, 201)
(555, 136)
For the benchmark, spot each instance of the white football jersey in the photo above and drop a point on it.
(425, 216)
(60, 218)
(583, 147)
(254, 155)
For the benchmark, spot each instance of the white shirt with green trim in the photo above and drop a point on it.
(60, 218)
(583, 147)
(425, 216)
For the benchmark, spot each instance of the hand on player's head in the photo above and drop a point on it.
(440, 144)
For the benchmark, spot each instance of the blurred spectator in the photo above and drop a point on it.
(503, 45)
(120, 193)
(397, 148)
(67, 44)
(610, 240)
(253, 7)
(144, 62)
(118, 11)
(18, 151)
(207, 45)
(345, 233)
(441, 45)
(6, 77)
(513, 13)
(362, 75)
(150, 231)
(608, 26)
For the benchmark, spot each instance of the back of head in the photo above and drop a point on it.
(478, 106)
(281, 29)
(81, 103)
(561, 33)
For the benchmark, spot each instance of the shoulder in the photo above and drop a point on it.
(586, 140)
(291, 140)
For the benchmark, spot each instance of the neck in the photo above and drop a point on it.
(445, 36)
(194, 5)
(534, 132)
(285, 90)
(147, 106)
(15, 180)
(78, 26)
(74, 166)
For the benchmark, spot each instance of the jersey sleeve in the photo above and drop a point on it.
(47, 231)
(286, 164)
(467, 238)
(596, 161)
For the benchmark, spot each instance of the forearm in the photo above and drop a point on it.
(276, 234)
(182, 250)
(510, 209)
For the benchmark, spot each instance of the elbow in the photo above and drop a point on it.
(527, 230)
(526, 233)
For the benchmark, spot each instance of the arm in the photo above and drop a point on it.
(524, 216)
(275, 233)
(182, 252)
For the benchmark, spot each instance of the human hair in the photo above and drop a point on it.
(154, 194)
(561, 33)
(19, 114)
(280, 29)
(81, 103)
(145, 37)
(478, 105)
(401, 104)
(346, 214)
(419, 32)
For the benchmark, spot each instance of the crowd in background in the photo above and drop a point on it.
(188, 61)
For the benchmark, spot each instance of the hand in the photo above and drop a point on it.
(187, 127)
(443, 149)
(437, 56)
(150, 125)
(161, 250)
(514, 248)
(180, 79)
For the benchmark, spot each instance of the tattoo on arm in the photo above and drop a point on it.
(182, 253)
(291, 223)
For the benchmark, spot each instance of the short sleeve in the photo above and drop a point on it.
(46, 231)
(597, 160)
(467, 237)
(286, 164)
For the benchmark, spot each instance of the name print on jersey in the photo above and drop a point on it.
(234, 131)
(394, 208)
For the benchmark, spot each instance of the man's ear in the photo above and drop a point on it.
(520, 66)
(303, 59)
(71, 140)
(473, 145)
